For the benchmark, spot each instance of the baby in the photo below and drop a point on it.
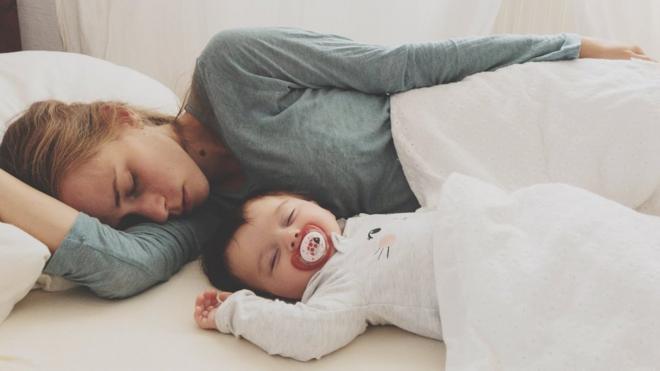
(299, 284)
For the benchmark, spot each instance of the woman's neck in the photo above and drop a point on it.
(209, 152)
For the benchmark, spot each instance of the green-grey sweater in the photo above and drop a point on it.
(302, 112)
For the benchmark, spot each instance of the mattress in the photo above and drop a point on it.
(75, 330)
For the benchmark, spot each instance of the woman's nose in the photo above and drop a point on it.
(152, 207)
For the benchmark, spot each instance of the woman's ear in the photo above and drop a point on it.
(127, 117)
(119, 114)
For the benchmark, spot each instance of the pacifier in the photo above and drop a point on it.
(314, 250)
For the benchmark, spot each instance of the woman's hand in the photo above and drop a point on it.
(206, 305)
(594, 48)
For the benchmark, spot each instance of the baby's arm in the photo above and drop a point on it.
(300, 331)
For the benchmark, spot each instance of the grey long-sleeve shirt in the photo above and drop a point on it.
(382, 273)
(302, 112)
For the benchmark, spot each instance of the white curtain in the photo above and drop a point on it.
(630, 21)
(163, 37)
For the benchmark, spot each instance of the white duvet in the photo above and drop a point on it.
(548, 277)
(590, 123)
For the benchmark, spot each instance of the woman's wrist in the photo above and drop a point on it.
(42, 216)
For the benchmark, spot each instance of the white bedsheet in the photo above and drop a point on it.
(74, 330)
(549, 277)
(590, 123)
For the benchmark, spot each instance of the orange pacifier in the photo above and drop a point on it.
(314, 250)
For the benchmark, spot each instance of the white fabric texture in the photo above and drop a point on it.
(22, 258)
(589, 123)
(380, 274)
(29, 76)
(549, 277)
(77, 331)
(26, 77)
(39, 26)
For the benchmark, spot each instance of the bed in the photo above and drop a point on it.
(74, 330)
(529, 276)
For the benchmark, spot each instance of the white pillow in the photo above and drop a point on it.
(26, 77)
(21, 260)
(29, 76)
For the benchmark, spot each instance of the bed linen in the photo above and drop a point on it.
(520, 289)
(74, 330)
(590, 123)
(547, 277)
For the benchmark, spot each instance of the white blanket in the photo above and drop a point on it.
(549, 277)
(590, 123)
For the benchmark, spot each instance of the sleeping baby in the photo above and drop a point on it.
(301, 284)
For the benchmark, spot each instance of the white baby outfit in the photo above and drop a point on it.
(381, 273)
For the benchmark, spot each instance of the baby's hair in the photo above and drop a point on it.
(214, 254)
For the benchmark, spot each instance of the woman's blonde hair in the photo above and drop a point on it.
(52, 137)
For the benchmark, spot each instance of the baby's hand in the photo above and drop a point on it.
(206, 305)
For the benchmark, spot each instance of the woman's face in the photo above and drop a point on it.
(144, 173)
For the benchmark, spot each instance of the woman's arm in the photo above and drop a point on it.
(285, 58)
(279, 59)
(112, 263)
(45, 218)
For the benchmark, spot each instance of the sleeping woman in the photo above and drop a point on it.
(124, 197)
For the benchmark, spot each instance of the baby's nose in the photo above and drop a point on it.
(294, 240)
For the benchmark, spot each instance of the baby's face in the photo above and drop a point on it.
(260, 254)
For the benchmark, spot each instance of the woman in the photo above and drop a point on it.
(268, 108)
